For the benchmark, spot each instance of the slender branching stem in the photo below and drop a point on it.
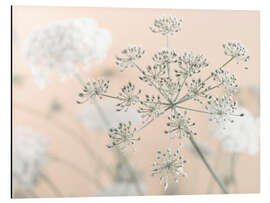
(212, 172)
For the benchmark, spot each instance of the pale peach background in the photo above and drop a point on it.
(203, 31)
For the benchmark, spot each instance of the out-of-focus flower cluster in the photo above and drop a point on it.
(64, 46)
(242, 135)
(29, 157)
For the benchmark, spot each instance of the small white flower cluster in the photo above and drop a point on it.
(129, 55)
(93, 89)
(123, 136)
(167, 25)
(227, 80)
(91, 119)
(29, 156)
(64, 46)
(169, 164)
(128, 97)
(222, 109)
(240, 136)
(237, 50)
(180, 125)
(190, 64)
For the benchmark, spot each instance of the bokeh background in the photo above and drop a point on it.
(203, 31)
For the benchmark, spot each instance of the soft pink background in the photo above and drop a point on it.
(203, 31)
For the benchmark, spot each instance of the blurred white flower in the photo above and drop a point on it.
(90, 117)
(29, 156)
(242, 135)
(65, 45)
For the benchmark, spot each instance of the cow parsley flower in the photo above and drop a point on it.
(165, 57)
(237, 50)
(91, 119)
(29, 157)
(129, 56)
(128, 97)
(150, 108)
(189, 64)
(175, 92)
(180, 125)
(123, 136)
(240, 136)
(167, 25)
(64, 46)
(227, 80)
(222, 109)
(169, 164)
(93, 89)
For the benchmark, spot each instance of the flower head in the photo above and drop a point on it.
(29, 156)
(227, 80)
(150, 108)
(169, 164)
(93, 89)
(237, 50)
(165, 57)
(180, 125)
(64, 46)
(240, 136)
(167, 25)
(221, 109)
(128, 97)
(122, 136)
(189, 64)
(129, 56)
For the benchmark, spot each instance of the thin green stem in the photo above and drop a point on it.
(68, 131)
(77, 169)
(195, 110)
(212, 172)
(51, 184)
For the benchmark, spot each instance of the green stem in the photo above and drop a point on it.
(68, 131)
(51, 184)
(77, 169)
(212, 172)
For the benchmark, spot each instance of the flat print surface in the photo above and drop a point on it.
(121, 101)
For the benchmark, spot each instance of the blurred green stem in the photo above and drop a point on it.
(69, 131)
(212, 172)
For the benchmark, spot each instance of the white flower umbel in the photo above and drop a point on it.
(237, 50)
(29, 156)
(65, 46)
(242, 135)
(169, 164)
(123, 136)
(222, 109)
(91, 119)
(167, 25)
(176, 80)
